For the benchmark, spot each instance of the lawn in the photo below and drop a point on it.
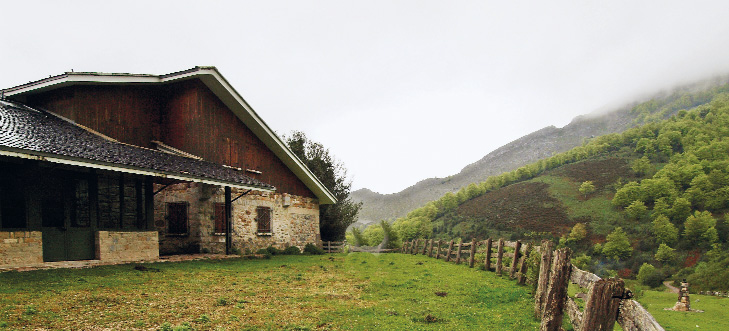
(358, 291)
(714, 317)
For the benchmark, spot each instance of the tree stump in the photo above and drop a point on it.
(500, 256)
(544, 269)
(487, 259)
(557, 290)
(603, 301)
(515, 260)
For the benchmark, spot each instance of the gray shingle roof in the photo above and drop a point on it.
(41, 133)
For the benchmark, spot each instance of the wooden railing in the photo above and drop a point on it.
(333, 246)
(606, 301)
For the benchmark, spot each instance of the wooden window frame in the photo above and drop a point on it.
(186, 221)
(263, 218)
(219, 221)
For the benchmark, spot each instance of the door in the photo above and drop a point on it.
(66, 223)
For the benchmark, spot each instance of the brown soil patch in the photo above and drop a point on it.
(602, 172)
(526, 206)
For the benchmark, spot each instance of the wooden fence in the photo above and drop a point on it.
(606, 301)
(333, 246)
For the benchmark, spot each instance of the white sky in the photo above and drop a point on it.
(399, 91)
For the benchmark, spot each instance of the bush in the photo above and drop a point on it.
(264, 252)
(649, 276)
(292, 250)
(273, 250)
(313, 249)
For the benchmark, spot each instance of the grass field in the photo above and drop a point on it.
(714, 317)
(359, 291)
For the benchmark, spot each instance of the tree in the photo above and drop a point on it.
(665, 231)
(648, 275)
(579, 232)
(617, 245)
(637, 210)
(641, 166)
(699, 228)
(587, 187)
(665, 253)
(333, 219)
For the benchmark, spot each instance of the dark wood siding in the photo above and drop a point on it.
(216, 134)
(185, 115)
(130, 114)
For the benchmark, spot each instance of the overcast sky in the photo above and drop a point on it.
(399, 91)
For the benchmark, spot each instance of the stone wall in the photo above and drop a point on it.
(295, 224)
(20, 248)
(121, 246)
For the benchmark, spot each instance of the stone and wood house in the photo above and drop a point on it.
(127, 167)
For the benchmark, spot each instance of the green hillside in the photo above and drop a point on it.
(648, 203)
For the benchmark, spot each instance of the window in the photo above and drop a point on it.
(177, 218)
(12, 206)
(220, 221)
(263, 218)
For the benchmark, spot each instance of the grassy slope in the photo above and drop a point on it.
(357, 291)
(714, 317)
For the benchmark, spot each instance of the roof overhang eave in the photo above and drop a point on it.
(79, 162)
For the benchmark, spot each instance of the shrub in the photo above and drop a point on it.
(313, 249)
(264, 252)
(292, 250)
(648, 275)
(273, 250)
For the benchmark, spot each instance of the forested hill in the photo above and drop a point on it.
(530, 148)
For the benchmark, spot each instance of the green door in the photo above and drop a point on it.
(67, 231)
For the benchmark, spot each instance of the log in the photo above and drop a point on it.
(515, 260)
(574, 314)
(523, 264)
(487, 260)
(557, 290)
(458, 254)
(500, 256)
(472, 258)
(450, 248)
(544, 268)
(633, 317)
(583, 278)
(603, 301)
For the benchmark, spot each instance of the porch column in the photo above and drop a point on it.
(149, 202)
(228, 221)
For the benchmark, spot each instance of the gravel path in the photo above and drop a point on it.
(671, 287)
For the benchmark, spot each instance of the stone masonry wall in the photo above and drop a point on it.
(294, 225)
(121, 246)
(20, 248)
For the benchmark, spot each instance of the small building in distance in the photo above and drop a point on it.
(127, 167)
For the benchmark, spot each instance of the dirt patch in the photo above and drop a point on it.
(601, 172)
(526, 206)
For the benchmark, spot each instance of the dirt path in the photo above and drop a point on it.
(671, 287)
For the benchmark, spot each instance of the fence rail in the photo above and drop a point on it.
(607, 300)
(333, 246)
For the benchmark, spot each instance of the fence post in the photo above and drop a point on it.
(329, 247)
(473, 253)
(458, 253)
(487, 260)
(603, 301)
(437, 251)
(416, 242)
(523, 263)
(450, 248)
(500, 256)
(402, 250)
(430, 248)
(515, 260)
(544, 268)
(425, 245)
(557, 290)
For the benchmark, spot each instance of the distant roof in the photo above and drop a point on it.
(212, 78)
(36, 134)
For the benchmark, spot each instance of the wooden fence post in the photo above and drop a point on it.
(430, 248)
(458, 253)
(603, 301)
(329, 247)
(416, 242)
(515, 260)
(450, 248)
(437, 251)
(473, 253)
(557, 290)
(425, 246)
(487, 259)
(402, 250)
(544, 268)
(523, 264)
(500, 256)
